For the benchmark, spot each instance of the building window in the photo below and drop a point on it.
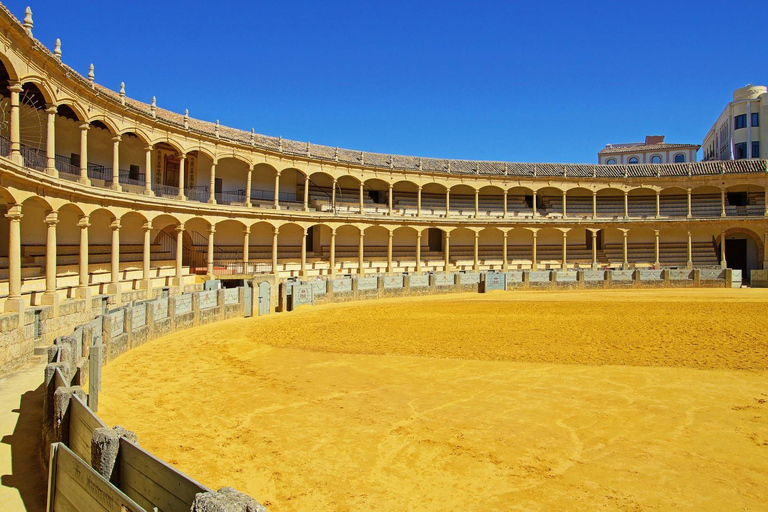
(740, 121)
(655, 159)
(740, 151)
(756, 149)
(755, 119)
(679, 158)
(610, 161)
(633, 160)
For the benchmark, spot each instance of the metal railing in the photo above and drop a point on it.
(199, 194)
(99, 172)
(64, 165)
(34, 158)
(239, 267)
(166, 191)
(230, 196)
(137, 179)
(5, 146)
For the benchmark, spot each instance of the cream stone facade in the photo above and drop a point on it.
(101, 194)
(651, 151)
(740, 131)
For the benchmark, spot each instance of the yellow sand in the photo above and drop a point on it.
(508, 401)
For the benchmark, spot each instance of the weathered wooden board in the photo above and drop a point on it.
(75, 487)
(82, 423)
(152, 482)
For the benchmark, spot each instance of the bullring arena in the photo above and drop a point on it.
(326, 328)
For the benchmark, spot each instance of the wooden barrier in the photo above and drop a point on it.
(82, 423)
(73, 486)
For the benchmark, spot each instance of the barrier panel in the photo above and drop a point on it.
(566, 276)
(539, 276)
(342, 285)
(757, 278)
(515, 276)
(318, 288)
(301, 295)
(159, 308)
(418, 281)
(469, 278)
(595, 275)
(736, 278)
(622, 275)
(117, 318)
(651, 275)
(138, 316)
(367, 283)
(231, 295)
(680, 274)
(82, 423)
(393, 282)
(208, 299)
(494, 281)
(711, 274)
(444, 279)
(183, 304)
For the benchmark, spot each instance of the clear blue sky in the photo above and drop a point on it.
(517, 81)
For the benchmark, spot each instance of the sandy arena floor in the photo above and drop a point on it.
(602, 400)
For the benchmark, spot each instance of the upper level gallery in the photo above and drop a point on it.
(54, 120)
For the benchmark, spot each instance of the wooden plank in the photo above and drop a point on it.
(62, 504)
(59, 381)
(76, 482)
(94, 376)
(153, 479)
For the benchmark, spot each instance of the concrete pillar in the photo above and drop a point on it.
(209, 259)
(722, 203)
(626, 204)
(182, 163)
(477, 204)
(565, 250)
(534, 265)
(389, 253)
(84, 154)
(418, 202)
(476, 266)
(504, 259)
(658, 204)
(594, 249)
(389, 200)
(565, 204)
(418, 251)
(447, 251)
(506, 193)
(625, 250)
(533, 205)
(306, 193)
(360, 253)
(333, 195)
(50, 141)
(179, 251)
(82, 288)
(50, 298)
(361, 198)
(689, 263)
(275, 233)
(333, 252)
(146, 281)
(248, 182)
(689, 215)
(14, 302)
(148, 173)
(447, 202)
(723, 262)
(277, 191)
(594, 204)
(114, 281)
(246, 247)
(116, 162)
(15, 128)
(212, 184)
(303, 268)
(656, 263)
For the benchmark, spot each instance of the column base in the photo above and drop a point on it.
(85, 294)
(115, 186)
(178, 281)
(150, 193)
(146, 284)
(15, 305)
(689, 265)
(52, 171)
(181, 197)
(84, 181)
(51, 299)
(564, 267)
(114, 289)
(594, 266)
(211, 201)
(15, 157)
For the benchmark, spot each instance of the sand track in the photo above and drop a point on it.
(465, 402)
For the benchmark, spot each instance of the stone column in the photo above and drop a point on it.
(389, 253)
(723, 262)
(114, 281)
(447, 251)
(689, 263)
(333, 195)
(418, 252)
(658, 204)
(765, 202)
(447, 202)
(361, 198)
(565, 250)
(83, 291)
(275, 233)
(594, 249)
(477, 204)
(182, 163)
(50, 297)
(15, 128)
(565, 204)
(625, 249)
(84, 154)
(533, 205)
(722, 203)
(534, 265)
(656, 262)
(179, 253)
(277, 191)
(303, 268)
(50, 141)
(594, 204)
(506, 194)
(116, 162)
(212, 184)
(689, 215)
(360, 254)
(504, 259)
(14, 302)
(476, 266)
(146, 261)
(626, 204)
(418, 202)
(389, 200)
(306, 192)
(148, 173)
(333, 253)
(246, 248)
(209, 262)
(248, 182)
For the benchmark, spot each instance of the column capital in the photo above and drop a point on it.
(52, 218)
(14, 213)
(147, 226)
(84, 222)
(85, 127)
(15, 87)
(333, 232)
(180, 228)
(212, 230)
(275, 231)
(50, 108)
(149, 147)
(477, 234)
(115, 225)
(247, 230)
(117, 138)
(182, 155)
(391, 234)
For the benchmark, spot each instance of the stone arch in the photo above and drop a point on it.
(10, 69)
(755, 255)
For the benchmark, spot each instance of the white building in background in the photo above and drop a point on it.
(741, 126)
(652, 151)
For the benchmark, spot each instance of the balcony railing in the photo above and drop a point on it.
(34, 158)
(199, 193)
(127, 178)
(166, 191)
(64, 165)
(99, 172)
(230, 197)
(5, 146)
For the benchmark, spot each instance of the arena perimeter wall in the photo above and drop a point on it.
(92, 467)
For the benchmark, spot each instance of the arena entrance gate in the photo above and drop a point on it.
(264, 296)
